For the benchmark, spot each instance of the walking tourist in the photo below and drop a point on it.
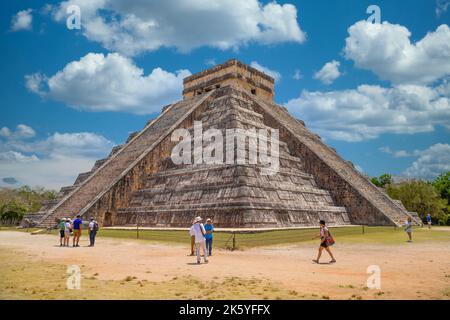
(92, 229)
(428, 218)
(77, 226)
(408, 228)
(198, 230)
(326, 240)
(209, 228)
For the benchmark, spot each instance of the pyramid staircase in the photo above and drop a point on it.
(234, 195)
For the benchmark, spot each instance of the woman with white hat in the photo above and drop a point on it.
(198, 230)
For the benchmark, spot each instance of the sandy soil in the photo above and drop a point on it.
(408, 271)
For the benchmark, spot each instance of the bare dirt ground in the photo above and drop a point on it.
(408, 271)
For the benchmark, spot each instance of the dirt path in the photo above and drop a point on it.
(408, 271)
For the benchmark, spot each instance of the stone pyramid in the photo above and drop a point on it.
(140, 183)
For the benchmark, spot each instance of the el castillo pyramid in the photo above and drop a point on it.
(139, 183)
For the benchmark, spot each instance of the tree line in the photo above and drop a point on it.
(15, 203)
(421, 196)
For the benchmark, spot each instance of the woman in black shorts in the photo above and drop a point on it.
(325, 242)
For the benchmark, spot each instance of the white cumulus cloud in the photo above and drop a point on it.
(329, 72)
(400, 153)
(371, 110)
(52, 162)
(386, 49)
(13, 156)
(22, 20)
(109, 83)
(135, 26)
(21, 131)
(431, 162)
(273, 73)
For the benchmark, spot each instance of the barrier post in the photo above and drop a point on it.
(137, 225)
(234, 240)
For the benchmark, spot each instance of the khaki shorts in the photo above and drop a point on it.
(76, 232)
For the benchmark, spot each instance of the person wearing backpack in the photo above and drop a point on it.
(198, 230)
(93, 228)
(326, 241)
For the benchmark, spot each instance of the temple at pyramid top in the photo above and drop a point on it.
(232, 71)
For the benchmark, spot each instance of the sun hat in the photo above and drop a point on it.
(198, 219)
(208, 220)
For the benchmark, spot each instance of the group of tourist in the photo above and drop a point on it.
(68, 228)
(409, 226)
(201, 235)
(201, 238)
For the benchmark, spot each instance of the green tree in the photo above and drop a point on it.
(12, 212)
(382, 181)
(14, 203)
(442, 185)
(420, 197)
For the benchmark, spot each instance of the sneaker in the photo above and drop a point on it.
(206, 261)
(315, 261)
(333, 261)
(198, 262)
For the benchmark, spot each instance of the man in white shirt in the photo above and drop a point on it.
(191, 233)
(67, 227)
(198, 231)
(93, 226)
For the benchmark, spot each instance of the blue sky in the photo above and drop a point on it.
(379, 95)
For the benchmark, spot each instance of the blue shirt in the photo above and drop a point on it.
(209, 227)
(76, 224)
(428, 218)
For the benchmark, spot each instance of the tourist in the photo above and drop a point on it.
(408, 228)
(326, 240)
(209, 228)
(192, 234)
(77, 226)
(62, 227)
(92, 229)
(67, 229)
(199, 233)
(428, 218)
